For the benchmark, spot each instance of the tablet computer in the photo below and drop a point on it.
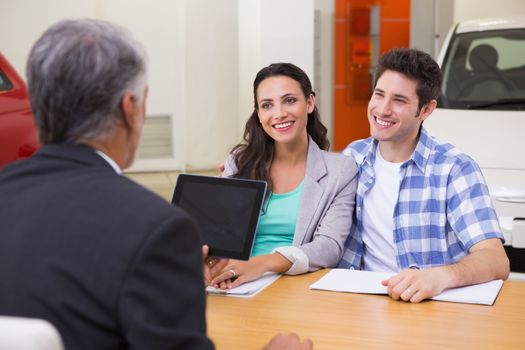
(226, 210)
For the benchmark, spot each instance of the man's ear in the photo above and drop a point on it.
(427, 109)
(129, 106)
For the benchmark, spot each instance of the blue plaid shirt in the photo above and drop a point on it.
(443, 208)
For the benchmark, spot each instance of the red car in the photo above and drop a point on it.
(18, 134)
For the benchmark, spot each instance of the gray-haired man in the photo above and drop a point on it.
(109, 263)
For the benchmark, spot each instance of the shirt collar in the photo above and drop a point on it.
(110, 161)
(419, 157)
(370, 155)
(424, 146)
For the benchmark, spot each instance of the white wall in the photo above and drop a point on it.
(430, 21)
(324, 70)
(272, 31)
(159, 27)
(203, 57)
(211, 82)
(23, 21)
(193, 49)
(474, 9)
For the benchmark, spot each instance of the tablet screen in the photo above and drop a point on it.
(226, 210)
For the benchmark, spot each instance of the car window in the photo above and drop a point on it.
(5, 84)
(485, 70)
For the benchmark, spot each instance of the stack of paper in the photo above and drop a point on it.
(248, 289)
(344, 280)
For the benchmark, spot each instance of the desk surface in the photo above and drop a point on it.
(357, 321)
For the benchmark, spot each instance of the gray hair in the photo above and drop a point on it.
(77, 73)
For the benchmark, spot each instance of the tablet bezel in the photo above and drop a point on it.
(257, 206)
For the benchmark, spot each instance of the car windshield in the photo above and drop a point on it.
(485, 70)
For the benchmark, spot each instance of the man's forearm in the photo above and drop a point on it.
(487, 261)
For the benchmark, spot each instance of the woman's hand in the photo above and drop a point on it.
(211, 266)
(239, 272)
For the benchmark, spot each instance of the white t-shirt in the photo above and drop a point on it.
(378, 213)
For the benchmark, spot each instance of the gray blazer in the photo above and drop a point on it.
(327, 205)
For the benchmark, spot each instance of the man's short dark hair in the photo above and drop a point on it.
(417, 65)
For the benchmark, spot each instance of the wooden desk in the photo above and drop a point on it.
(358, 321)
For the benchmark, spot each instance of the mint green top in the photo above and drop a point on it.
(277, 223)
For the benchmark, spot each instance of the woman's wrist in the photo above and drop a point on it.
(274, 262)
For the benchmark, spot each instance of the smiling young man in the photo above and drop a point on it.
(422, 207)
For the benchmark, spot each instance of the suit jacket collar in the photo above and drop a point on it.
(312, 191)
(76, 153)
(315, 166)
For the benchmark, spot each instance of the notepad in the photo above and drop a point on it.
(248, 289)
(353, 281)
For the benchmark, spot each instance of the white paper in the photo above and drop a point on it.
(353, 281)
(248, 289)
(484, 293)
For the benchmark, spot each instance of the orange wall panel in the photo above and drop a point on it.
(352, 55)
(395, 8)
(394, 34)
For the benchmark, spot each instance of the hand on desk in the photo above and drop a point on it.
(288, 342)
(211, 266)
(485, 262)
(239, 272)
(416, 285)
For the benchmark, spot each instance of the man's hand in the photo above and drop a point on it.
(487, 261)
(417, 285)
(211, 266)
(288, 342)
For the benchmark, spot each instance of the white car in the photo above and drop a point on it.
(482, 112)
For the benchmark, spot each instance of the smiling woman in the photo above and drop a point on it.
(283, 111)
(308, 211)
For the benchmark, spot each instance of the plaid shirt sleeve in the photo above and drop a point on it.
(470, 212)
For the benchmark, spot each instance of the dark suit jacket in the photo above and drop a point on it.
(110, 264)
